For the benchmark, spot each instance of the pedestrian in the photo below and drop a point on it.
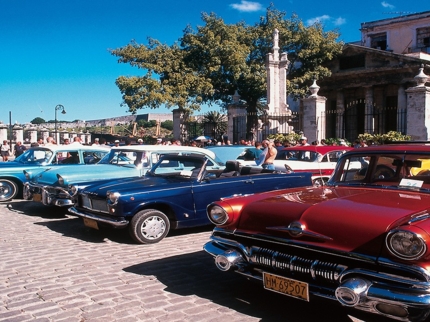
(77, 141)
(270, 155)
(96, 142)
(18, 149)
(254, 153)
(5, 148)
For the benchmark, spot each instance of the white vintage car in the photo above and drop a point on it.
(320, 160)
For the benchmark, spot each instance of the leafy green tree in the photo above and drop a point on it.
(168, 125)
(207, 65)
(37, 120)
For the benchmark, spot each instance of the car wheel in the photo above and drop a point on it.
(149, 226)
(8, 190)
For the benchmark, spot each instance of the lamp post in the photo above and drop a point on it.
(63, 111)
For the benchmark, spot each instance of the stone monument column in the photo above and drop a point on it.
(236, 116)
(314, 115)
(418, 108)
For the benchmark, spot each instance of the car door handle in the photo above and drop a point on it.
(249, 181)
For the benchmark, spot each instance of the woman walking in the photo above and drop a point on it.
(5, 151)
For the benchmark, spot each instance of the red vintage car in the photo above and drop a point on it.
(362, 240)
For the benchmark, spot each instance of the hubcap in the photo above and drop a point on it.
(153, 227)
(6, 191)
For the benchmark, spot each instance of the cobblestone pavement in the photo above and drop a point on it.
(52, 268)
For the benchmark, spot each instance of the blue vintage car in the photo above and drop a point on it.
(173, 194)
(57, 186)
(39, 158)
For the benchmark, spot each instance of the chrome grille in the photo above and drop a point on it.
(315, 269)
(94, 204)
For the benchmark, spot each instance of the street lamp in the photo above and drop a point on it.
(63, 111)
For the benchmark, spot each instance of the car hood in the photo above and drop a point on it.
(347, 219)
(84, 173)
(133, 185)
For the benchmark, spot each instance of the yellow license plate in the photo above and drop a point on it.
(286, 286)
(91, 223)
(37, 197)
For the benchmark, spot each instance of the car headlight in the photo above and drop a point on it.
(60, 179)
(406, 244)
(217, 214)
(113, 196)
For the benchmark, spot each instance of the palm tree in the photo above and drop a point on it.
(215, 123)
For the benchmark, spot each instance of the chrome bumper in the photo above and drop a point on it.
(356, 288)
(61, 197)
(120, 223)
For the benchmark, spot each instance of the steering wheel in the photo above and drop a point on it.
(288, 168)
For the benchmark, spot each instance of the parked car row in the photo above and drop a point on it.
(359, 237)
(147, 188)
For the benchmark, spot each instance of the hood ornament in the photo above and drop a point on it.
(297, 229)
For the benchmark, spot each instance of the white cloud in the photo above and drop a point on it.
(339, 21)
(326, 18)
(319, 19)
(247, 6)
(387, 5)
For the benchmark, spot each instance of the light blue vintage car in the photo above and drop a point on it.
(57, 186)
(39, 158)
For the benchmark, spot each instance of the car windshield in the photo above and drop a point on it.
(393, 170)
(35, 156)
(125, 157)
(177, 165)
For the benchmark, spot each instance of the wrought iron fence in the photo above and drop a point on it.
(348, 124)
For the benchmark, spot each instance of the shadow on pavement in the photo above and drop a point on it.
(31, 208)
(195, 274)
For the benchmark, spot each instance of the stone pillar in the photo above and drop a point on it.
(18, 133)
(314, 110)
(234, 112)
(369, 123)
(44, 134)
(88, 137)
(32, 133)
(340, 110)
(83, 137)
(179, 130)
(401, 107)
(418, 108)
(72, 135)
(3, 132)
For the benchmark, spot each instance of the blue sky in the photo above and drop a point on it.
(57, 51)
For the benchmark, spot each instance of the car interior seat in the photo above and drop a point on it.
(231, 169)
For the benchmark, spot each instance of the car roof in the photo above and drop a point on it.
(322, 149)
(70, 147)
(164, 148)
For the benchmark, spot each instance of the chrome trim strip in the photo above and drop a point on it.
(112, 222)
